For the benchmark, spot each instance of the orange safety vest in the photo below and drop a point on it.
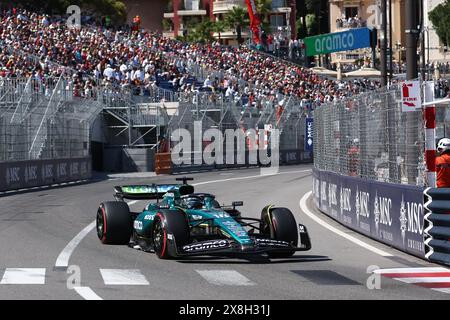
(443, 170)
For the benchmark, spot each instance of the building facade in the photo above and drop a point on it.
(435, 50)
(183, 13)
(346, 14)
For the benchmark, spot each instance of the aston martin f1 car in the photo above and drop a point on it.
(184, 223)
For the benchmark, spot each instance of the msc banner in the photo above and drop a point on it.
(34, 173)
(309, 134)
(338, 41)
(390, 213)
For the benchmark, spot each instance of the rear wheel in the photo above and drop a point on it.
(114, 223)
(173, 224)
(279, 224)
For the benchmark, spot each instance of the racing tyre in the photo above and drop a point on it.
(173, 223)
(279, 224)
(114, 223)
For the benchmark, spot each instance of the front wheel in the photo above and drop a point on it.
(170, 230)
(279, 224)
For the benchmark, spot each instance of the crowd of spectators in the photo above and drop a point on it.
(442, 88)
(350, 22)
(42, 46)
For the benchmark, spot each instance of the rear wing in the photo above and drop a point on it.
(149, 192)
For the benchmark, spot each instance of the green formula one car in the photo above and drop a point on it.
(184, 223)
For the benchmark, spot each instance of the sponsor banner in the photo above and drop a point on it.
(390, 213)
(338, 41)
(309, 134)
(34, 173)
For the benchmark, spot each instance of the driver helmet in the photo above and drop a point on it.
(443, 145)
(193, 203)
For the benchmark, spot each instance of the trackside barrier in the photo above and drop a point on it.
(35, 173)
(387, 212)
(198, 164)
(437, 225)
(163, 163)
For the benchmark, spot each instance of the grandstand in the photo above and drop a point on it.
(56, 81)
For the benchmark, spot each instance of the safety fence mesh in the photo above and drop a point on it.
(370, 137)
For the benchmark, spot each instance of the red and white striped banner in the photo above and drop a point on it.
(430, 135)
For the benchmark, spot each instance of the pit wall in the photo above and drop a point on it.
(390, 213)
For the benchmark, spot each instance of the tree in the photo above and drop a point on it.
(202, 32)
(319, 8)
(264, 8)
(237, 16)
(236, 19)
(219, 26)
(440, 17)
(114, 8)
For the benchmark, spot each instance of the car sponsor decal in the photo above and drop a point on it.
(272, 243)
(206, 245)
(138, 225)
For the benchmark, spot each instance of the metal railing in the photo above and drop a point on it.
(370, 137)
(44, 119)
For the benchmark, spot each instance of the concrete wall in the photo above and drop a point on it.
(128, 160)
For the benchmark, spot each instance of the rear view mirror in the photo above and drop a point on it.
(237, 204)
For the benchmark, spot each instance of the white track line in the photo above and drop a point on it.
(64, 256)
(249, 177)
(87, 293)
(63, 259)
(411, 270)
(24, 276)
(361, 243)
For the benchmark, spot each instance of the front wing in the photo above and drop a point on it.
(231, 247)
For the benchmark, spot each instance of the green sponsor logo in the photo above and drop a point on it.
(338, 41)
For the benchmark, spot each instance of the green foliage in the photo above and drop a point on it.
(440, 17)
(201, 32)
(167, 25)
(312, 24)
(237, 16)
(114, 8)
(219, 26)
(264, 7)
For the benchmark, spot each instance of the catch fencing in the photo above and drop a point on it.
(370, 170)
(369, 136)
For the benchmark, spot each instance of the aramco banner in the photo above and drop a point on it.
(338, 41)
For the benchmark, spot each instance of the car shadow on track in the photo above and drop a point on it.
(253, 260)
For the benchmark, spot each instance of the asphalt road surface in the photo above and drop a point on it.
(48, 243)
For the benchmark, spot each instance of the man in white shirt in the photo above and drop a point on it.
(109, 72)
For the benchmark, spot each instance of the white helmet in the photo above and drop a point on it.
(443, 145)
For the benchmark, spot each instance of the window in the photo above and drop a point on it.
(351, 12)
(277, 20)
(278, 4)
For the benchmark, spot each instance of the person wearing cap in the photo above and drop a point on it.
(443, 163)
